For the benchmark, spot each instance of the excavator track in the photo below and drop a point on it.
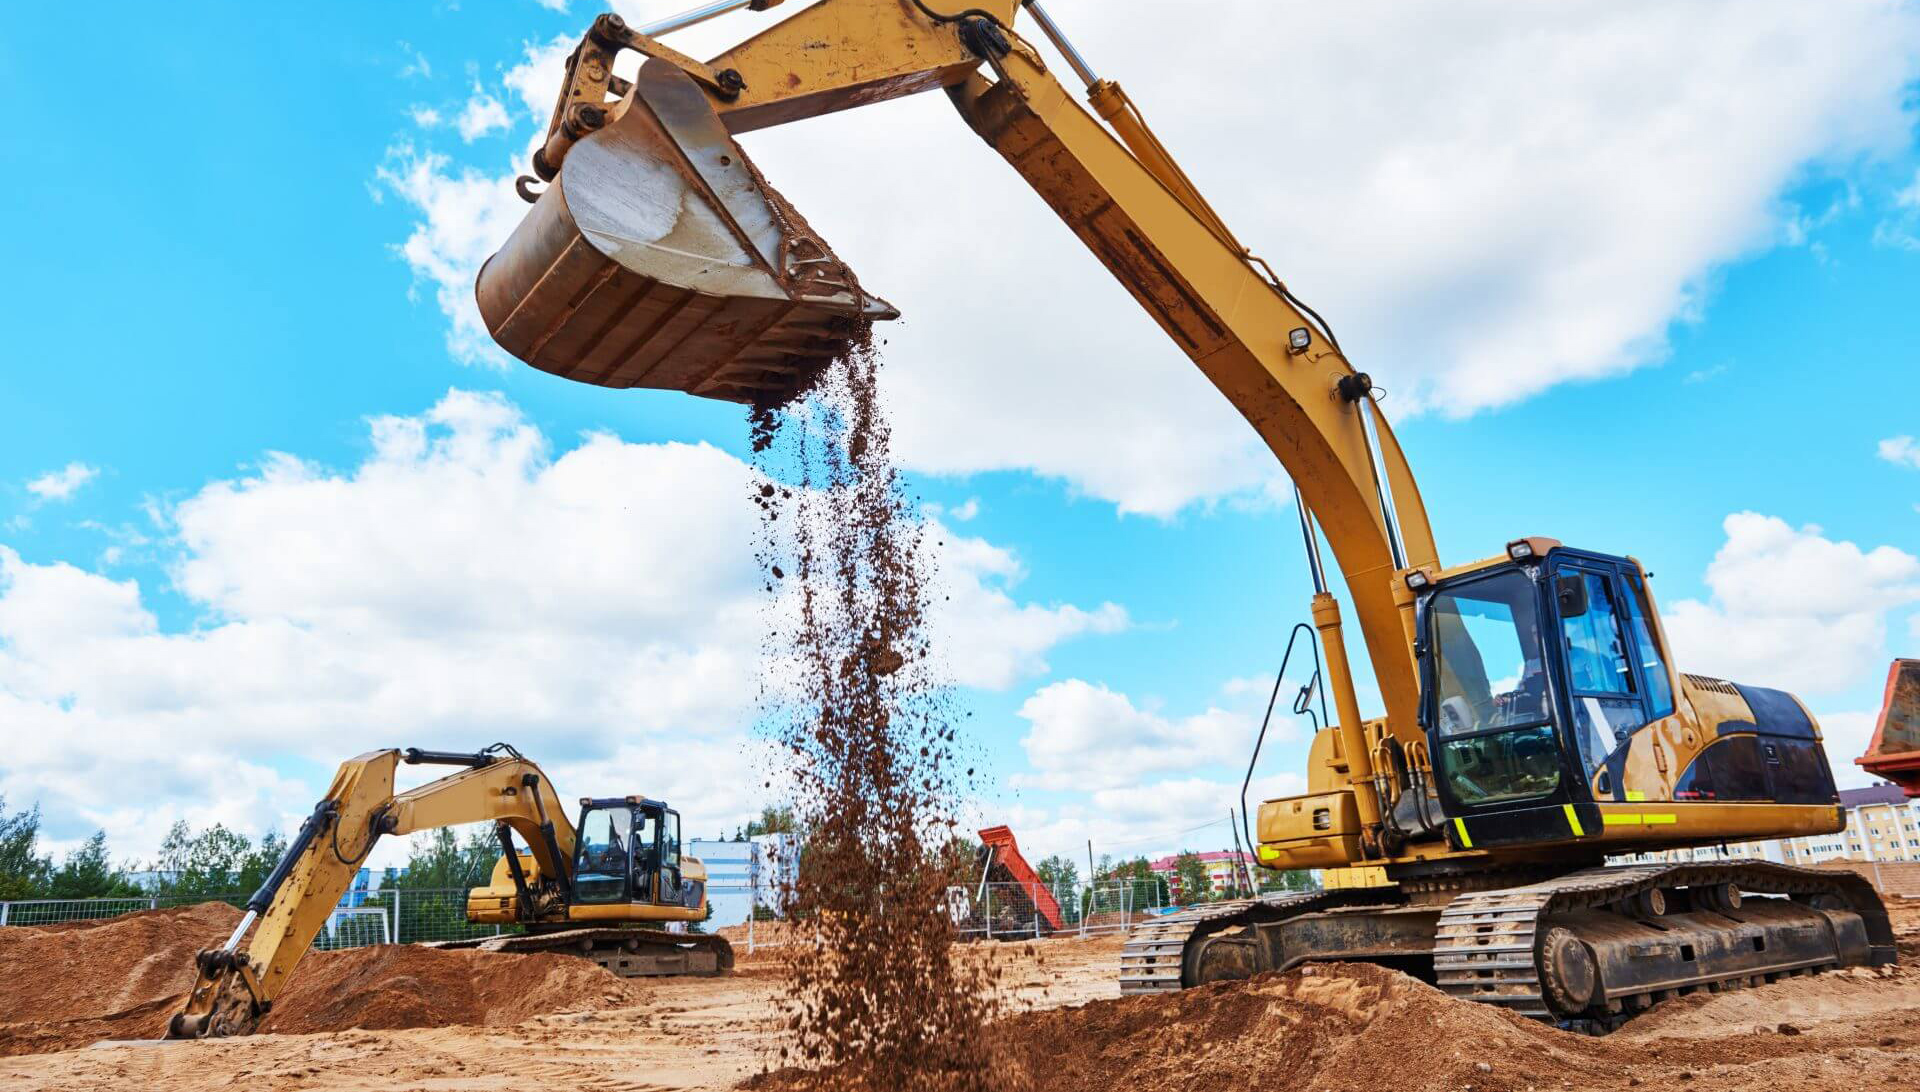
(1155, 957)
(629, 953)
(1589, 949)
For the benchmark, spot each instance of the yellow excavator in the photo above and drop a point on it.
(1535, 724)
(604, 888)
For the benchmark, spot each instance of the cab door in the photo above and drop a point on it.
(669, 887)
(1616, 678)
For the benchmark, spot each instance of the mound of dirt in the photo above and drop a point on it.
(114, 978)
(405, 986)
(76, 983)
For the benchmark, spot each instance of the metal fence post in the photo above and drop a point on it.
(989, 911)
(396, 916)
(5, 909)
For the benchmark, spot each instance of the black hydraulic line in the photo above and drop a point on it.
(414, 756)
(505, 835)
(1301, 704)
(323, 813)
(958, 16)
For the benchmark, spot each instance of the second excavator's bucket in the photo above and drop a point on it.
(658, 257)
(1895, 751)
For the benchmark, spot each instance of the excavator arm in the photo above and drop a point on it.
(238, 981)
(596, 285)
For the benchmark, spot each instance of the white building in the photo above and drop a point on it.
(1882, 825)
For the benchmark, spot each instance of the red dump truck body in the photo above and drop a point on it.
(1006, 865)
(1895, 751)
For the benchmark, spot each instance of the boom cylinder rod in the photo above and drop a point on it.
(1358, 389)
(694, 17)
(1314, 565)
(1059, 40)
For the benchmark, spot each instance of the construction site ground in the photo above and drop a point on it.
(411, 1018)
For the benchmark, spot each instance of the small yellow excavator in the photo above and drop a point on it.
(1535, 723)
(603, 888)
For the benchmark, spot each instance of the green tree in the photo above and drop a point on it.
(23, 872)
(88, 873)
(1056, 870)
(772, 820)
(1190, 876)
(205, 864)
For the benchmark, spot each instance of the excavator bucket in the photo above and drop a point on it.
(1895, 751)
(659, 257)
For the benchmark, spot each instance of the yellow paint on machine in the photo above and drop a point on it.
(1573, 821)
(1466, 841)
(1635, 819)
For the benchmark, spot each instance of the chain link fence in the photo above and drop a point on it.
(992, 911)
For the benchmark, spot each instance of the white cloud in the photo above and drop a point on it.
(417, 66)
(1901, 451)
(1901, 228)
(426, 117)
(598, 606)
(1792, 608)
(1845, 736)
(1487, 199)
(62, 484)
(967, 510)
(1085, 736)
(1702, 375)
(465, 216)
(482, 114)
(552, 5)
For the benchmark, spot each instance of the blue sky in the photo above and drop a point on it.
(1614, 318)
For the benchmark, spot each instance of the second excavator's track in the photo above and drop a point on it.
(630, 953)
(1487, 946)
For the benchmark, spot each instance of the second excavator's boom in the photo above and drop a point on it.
(239, 981)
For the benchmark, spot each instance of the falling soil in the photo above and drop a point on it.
(864, 723)
(121, 978)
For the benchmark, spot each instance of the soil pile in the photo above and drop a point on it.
(70, 984)
(406, 986)
(1339, 1026)
(73, 984)
(863, 720)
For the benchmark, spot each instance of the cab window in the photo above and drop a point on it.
(1653, 667)
(646, 851)
(603, 858)
(1489, 691)
(1596, 652)
(670, 857)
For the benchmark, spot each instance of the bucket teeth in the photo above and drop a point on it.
(660, 258)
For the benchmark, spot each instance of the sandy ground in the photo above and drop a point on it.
(1857, 1029)
(689, 1034)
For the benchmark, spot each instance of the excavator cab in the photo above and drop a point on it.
(628, 851)
(1540, 673)
(1537, 672)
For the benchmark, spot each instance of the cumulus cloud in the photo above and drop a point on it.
(598, 606)
(1901, 451)
(1792, 608)
(481, 115)
(1083, 735)
(62, 484)
(1487, 198)
(1901, 228)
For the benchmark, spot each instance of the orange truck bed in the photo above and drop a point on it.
(1006, 857)
(1895, 751)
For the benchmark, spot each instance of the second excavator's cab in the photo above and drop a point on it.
(1535, 675)
(627, 850)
